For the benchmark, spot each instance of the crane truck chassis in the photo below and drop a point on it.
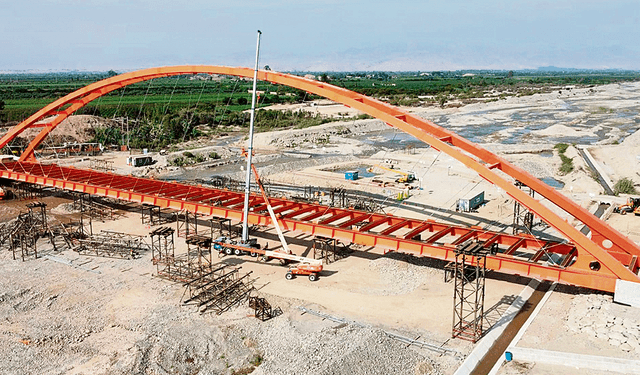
(305, 266)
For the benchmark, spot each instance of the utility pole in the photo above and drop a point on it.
(247, 186)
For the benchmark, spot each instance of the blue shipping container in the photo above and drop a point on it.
(351, 175)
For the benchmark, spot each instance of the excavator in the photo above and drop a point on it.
(406, 177)
(305, 266)
(632, 205)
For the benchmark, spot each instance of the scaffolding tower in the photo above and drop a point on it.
(187, 223)
(26, 191)
(325, 248)
(522, 217)
(162, 250)
(153, 215)
(468, 296)
(199, 253)
(222, 227)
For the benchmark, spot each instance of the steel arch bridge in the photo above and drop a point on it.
(595, 262)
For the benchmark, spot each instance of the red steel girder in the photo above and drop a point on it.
(299, 212)
(285, 207)
(355, 220)
(395, 227)
(315, 215)
(375, 223)
(421, 228)
(335, 217)
(573, 274)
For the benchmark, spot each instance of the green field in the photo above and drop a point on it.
(166, 110)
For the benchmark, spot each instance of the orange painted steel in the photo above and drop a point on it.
(515, 254)
(607, 247)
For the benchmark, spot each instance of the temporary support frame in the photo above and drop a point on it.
(522, 217)
(29, 226)
(186, 223)
(199, 247)
(222, 226)
(162, 249)
(468, 296)
(152, 215)
(87, 205)
(26, 191)
(262, 308)
(325, 248)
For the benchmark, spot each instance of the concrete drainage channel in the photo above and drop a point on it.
(593, 165)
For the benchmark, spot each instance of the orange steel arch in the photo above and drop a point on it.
(613, 251)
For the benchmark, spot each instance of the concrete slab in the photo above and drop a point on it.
(580, 361)
(627, 293)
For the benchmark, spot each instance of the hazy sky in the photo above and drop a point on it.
(319, 35)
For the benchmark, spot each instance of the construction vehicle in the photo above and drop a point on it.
(632, 205)
(406, 177)
(306, 266)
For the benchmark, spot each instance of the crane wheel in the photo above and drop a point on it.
(237, 252)
(228, 250)
(283, 262)
(254, 254)
(313, 277)
(288, 276)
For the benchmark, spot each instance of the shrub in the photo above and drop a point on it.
(257, 360)
(178, 161)
(624, 186)
(214, 155)
(567, 164)
(188, 154)
(561, 147)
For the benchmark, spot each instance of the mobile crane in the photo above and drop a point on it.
(306, 266)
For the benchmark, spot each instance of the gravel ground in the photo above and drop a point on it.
(342, 349)
(401, 273)
(56, 319)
